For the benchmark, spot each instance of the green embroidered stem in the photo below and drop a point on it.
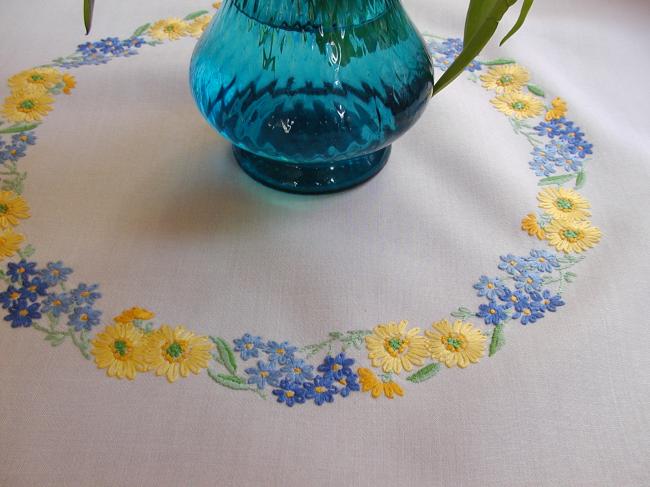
(82, 342)
(234, 382)
(424, 373)
(353, 338)
(15, 180)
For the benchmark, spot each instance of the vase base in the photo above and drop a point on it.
(310, 178)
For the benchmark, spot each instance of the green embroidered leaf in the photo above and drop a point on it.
(229, 381)
(88, 14)
(498, 340)
(562, 178)
(194, 15)
(536, 90)
(462, 312)
(18, 128)
(570, 276)
(581, 179)
(226, 355)
(424, 373)
(27, 252)
(141, 30)
(496, 62)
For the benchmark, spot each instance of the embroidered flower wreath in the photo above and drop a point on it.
(526, 289)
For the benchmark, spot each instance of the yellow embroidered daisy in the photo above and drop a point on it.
(120, 350)
(558, 111)
(518, 105)
(171, 28)
(458, 344)
(175, 352)
(69, 82)
(572, 236)
(135, 313)
(198, 25)
(563, 204)
(506, 78)
(370, 382)
(41, 79)
(9, 243)
(27, 105)
(531, 225)
(12, 208)
(393, 348)
(216, 5)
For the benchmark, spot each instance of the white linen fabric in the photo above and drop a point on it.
(131, 187)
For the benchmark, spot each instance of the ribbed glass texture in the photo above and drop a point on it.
(311, 92)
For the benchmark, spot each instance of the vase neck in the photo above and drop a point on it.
(311, 15)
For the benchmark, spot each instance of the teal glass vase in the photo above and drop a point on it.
(311, 93)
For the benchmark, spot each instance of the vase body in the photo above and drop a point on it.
(311, 92)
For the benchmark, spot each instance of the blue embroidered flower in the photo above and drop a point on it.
(512, 264)
(133, 42)
(548, 301)
(84, 318)
(57, 304)
(248, 346)
(321, 390)
(349, 383)
(12, 152)
(443, 54)
(280, 353)
(553, 128)
(297, 370)
(490, 287)
(336, 367)
(543, 260)
(23, 314)
(492, 313)
(85, 294)
(529, 280)
(511, 298)
(9, 297)
(34, 288)
(569, 162)
(542, 167)
(290, 393)
(582, 148)
(572, 134)
(528, 311)
(55, 273)
(25, 137)
(263, 374)
(21, 271)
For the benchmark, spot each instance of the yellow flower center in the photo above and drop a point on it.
(541, 259)
(513, 263)
(15, 295)
(248, 346)
(120, 348)
(55, 272)
(32, 288)
(84, 294)
(289, 393)
(336, 367)
(564, 204)
(37, 77)
(320, 389)
(490, 285)
(174, 351)
(395, 346)
(529, 281)
(84, 317)
(527, 312)
(26, 105)
(571, 235)
(23, 138)
(280, 351)
(453, 342)
(343, 382)
(493, 311)
(57, 302)
(513, 298)
(23, 312)
(170, 28)
(297, 370)
(264, 374)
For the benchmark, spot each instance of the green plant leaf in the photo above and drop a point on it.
(536, 90)
(89, 5)
(581, 178)
(525, 8)
(424, 373)
(482, 19)
(498, 340)
(18, 128)
(141, 30)
(499, 61)
(562, 178)
(226, 354)
(229, 381)
(194, 15)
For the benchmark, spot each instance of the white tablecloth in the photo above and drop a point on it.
(130, 188)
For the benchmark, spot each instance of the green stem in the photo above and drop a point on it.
(79, 344)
